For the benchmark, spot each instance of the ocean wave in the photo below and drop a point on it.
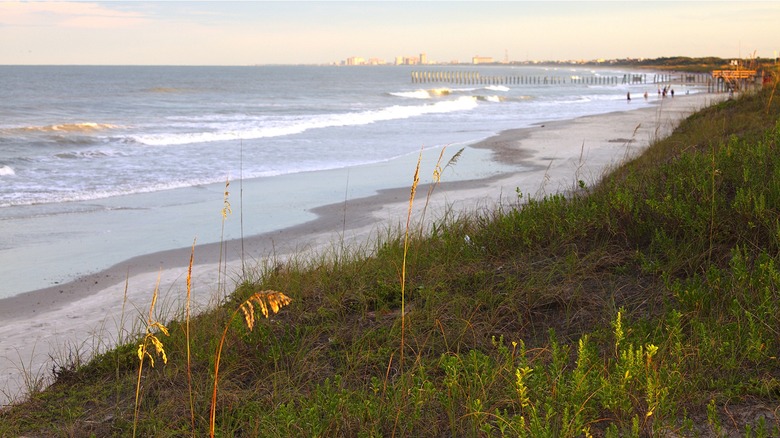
(72, 139)
(440, 92)
(580, 99)
(164, 90)
(52, 197)
(298, 125)
(492, 98)
(90, 154)
(416, 94)
(66, 127)
(7, 171)
(47, 196)
(423, 94)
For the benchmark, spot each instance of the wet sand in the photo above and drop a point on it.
(95, 311)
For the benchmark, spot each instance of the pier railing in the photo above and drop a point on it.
(724, 80)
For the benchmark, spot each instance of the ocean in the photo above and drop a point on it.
(99, 164)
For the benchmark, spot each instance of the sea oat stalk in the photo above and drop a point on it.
(187, 329)
(413, 191)
(436, 178)
(226, 210)
(143, 351)
(437, 171)
(265, 300)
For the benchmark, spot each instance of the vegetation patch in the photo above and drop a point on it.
(647, 305)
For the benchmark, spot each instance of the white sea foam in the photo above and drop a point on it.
(92, 195)
(492, 98)
(7, 171)
(69, 194)
(416, 94)
(297, 125)
(90, 154)
(497, 88)
(424, 94)
(440, 92)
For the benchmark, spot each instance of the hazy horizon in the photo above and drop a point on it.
(295, 33)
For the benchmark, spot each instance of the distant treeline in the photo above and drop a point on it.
(684, 63)
(696, 64)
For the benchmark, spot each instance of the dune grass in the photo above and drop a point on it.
(646, 305)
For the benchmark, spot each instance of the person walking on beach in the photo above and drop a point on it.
(628, 96)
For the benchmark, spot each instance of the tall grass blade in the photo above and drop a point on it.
(187, 335)
(226, 210)
(241, 206)
(344, 217)
(412, 193)
(437, 172)
(436, 178)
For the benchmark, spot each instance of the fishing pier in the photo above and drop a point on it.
(476, 78)
(725, 80)
(716, 82)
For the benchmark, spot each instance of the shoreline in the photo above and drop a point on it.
(548, 158)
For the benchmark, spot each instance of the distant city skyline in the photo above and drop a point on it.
(421, 59)
(259, 32)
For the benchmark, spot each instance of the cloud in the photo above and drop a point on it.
(71, 15)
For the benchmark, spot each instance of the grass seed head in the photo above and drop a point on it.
(277, 300)
(249, 313)
(264, 300)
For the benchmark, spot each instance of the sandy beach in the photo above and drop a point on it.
(49, 327)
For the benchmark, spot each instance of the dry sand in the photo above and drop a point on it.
(49, 327)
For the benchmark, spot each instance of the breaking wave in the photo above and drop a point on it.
(67, 127)
(280, 128)
(492, 98)
(89, 154)
(423, 94)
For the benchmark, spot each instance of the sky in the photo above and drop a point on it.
(322, 32)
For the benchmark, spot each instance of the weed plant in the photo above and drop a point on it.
(646, 305)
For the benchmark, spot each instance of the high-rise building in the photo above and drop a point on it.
(482, 60)
(423, 58)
